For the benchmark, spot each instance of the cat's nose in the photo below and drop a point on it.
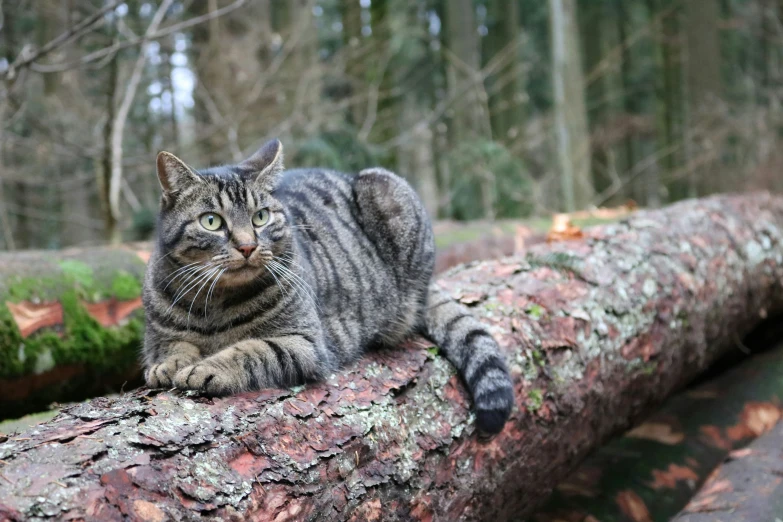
(246, 250)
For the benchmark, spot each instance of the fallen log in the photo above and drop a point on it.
(654, 470)
(747, 488)
(597, 331)
(71, 321)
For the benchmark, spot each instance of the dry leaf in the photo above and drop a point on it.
(633, 506)
(657, 431)
(562, 229)
(756, 419)
(668, 478)
(31, 317)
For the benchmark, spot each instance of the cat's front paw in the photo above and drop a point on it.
(162, 375)
(208, 378)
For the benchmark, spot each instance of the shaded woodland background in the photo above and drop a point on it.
(491, 108)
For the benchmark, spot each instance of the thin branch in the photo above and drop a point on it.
(96, 55)
(29, 54)
(118, 125)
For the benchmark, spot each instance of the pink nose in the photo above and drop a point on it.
(246, 249)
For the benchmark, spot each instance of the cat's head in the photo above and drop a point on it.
(223, 217)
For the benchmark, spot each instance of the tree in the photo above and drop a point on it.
(572, 136)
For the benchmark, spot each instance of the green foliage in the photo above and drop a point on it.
(472, 163)
(337, 149)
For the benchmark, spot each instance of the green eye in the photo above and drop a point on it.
(210, 221)
(261, 218)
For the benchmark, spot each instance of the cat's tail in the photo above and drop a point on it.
(467, 343)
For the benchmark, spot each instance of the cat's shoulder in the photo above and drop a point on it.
(293, 178)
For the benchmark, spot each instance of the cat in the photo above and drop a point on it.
(265, 277)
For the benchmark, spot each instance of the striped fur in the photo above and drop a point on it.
(343, 264)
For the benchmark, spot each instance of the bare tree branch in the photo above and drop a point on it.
(29, 54)
(118, 125)
(96, 55)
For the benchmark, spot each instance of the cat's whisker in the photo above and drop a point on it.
(211, 288)
(192, 285)
(296, 280)
(204, 284)
(178, 271)
(277, 281)
(186, 276)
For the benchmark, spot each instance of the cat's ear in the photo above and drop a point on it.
(265, 166)
(174, 175)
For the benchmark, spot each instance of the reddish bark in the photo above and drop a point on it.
(597, 331)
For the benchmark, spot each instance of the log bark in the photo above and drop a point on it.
(597, 331)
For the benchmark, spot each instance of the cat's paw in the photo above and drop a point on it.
(162, 375)
(208, 378)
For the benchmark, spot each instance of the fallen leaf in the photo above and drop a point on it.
(668, 478)
(633, 506)
(657, 431)
(713, 436)
(756, 419)
(31, 317)
(740, 453)
(563, 230)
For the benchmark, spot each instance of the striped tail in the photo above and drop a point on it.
(468, 345)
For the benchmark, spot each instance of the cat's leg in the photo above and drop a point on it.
(394, 219)
(254, 364)
(171, 358)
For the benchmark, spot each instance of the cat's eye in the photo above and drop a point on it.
(210, 221)
(261, 218)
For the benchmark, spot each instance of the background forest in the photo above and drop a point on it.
(491, 108)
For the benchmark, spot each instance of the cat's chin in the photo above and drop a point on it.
(240, 275)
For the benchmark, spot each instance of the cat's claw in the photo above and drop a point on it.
(161, 375)
(205, 378)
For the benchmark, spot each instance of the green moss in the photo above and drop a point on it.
(433, 350)
(538, 358)
(534, 311)
(535, 399)
(125, 286)
(77, 272)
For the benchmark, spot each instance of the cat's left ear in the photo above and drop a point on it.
(266, 165)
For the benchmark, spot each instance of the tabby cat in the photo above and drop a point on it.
(269, 278)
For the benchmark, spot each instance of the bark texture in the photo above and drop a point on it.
(597, 331)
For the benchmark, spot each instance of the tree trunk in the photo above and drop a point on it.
(505, 85)
(572, 136)
(596, 332)
(703, 79)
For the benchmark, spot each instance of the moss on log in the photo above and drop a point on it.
(70, 323)
(597, 331)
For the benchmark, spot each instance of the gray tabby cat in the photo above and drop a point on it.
(265, 278)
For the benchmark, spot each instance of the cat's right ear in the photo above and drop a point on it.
(174, 175)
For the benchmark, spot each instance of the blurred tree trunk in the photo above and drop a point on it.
(469, 115)
(74, 196)
(703, 75)
(354, 47)
(626, 91)
(504, 86)
(573, 139)
(592, 29)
